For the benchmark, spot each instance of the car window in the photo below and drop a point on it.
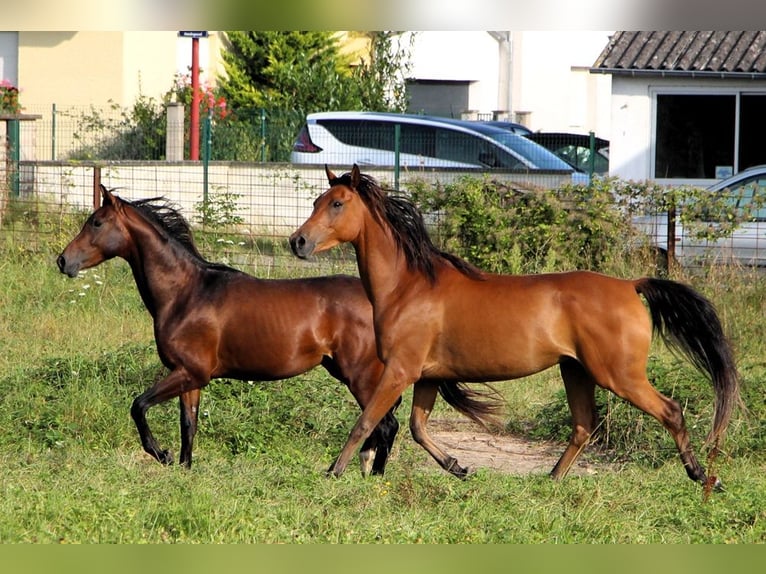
(750, 198)
(422, 140)
(540, 157)
(417, 140)
(463, 147)
(364, 133)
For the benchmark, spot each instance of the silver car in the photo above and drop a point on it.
(368, 139)
(746, 245)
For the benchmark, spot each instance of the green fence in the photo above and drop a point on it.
(113, 133)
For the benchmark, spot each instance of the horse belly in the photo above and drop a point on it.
(491, 357)
(499, 347)
(262, 350)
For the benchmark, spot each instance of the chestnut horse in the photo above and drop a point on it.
(212, 321)
(437, 316)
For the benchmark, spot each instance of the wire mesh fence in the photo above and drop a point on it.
(110, 132)
(239, 196)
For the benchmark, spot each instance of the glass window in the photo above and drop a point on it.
(695, 133)
(364, 133)
(752, 127)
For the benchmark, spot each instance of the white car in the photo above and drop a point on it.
(370, 139)
(746, 245)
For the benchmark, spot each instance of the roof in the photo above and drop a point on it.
(694, 54)
(485, 128)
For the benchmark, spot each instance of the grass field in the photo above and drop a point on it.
(76, 351)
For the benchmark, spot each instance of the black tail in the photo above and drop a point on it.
(688, 323)
(482, 407)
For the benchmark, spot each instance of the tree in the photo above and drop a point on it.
(306, 72)
(381, 79)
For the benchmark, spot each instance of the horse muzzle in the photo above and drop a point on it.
(301, 245)
(69, 268)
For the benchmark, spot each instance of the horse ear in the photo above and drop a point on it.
(107, 198)
(330, 175)
(356, 177)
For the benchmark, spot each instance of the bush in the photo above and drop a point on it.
(506, 229)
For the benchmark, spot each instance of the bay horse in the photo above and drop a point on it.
(212, 321)
(435, 315)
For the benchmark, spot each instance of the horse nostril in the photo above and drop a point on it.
(297, 243)
(61, 262)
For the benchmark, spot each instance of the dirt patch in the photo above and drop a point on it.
(476, 448)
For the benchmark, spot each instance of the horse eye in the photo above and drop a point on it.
(337, 204)
(96, 223)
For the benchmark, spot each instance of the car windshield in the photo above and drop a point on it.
(538, 155)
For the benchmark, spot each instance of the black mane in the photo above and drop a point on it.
(167, 218)
(409, 228)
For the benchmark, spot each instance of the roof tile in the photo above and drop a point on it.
(684, 51)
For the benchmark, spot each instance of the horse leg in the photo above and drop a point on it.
(373, 456)
(668, 412)
(189, 407)
(375, 450)
(389, 428)
(378, 446)
(423, 399)
(580, 388)
(164, 390)
(386, 395)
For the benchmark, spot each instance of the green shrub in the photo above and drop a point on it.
(504, 228)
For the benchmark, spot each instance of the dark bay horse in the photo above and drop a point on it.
(435, 315)
(212, 321)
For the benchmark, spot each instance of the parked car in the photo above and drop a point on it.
(368, 139)
(512, 127)
(575, 149)
(746, 245)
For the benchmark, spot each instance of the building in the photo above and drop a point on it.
(687, 107)
(540, 79)
(93, 68)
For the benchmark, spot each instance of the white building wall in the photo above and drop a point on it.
(630, 142)
(550, 81)
(633, 121)
(456, 55)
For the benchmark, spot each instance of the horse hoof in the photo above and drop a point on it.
(166, 457)
(460, 472)
(716, 485)
(465, 473)
(366, 460)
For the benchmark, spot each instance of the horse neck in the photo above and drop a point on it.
(382, 264)
(160, 267)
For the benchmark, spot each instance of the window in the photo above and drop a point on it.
(749, 197)
(696, 134)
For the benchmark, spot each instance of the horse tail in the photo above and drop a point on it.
(689, 324)
(482, 407)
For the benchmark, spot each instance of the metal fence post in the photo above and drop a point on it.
(206, 150)
(96, 187)
(263, 135)
(15, 153)
(397, 141)
(53, 132)
(671, 235)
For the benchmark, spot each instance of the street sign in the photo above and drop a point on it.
(193, 34)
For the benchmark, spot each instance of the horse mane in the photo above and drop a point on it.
(408, 227)
(165, 216)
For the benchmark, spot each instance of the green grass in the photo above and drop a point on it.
(73, 358)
